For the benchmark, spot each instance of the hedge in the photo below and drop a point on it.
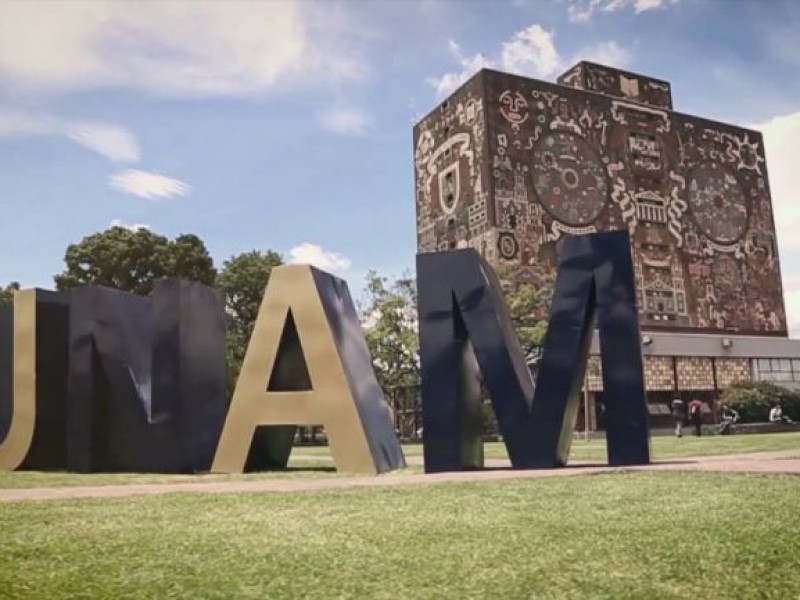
(754, 399)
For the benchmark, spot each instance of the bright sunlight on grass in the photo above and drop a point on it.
(625, 535)
(662, 447)
(315, 461)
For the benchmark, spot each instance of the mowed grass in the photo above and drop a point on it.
(315, 461)
(32, 479)
(661, 447)
(297, 469)
(624, 535)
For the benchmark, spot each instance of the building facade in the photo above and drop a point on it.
(508, 165)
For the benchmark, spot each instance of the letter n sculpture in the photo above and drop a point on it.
(466, 332)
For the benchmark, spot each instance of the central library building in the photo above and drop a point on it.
(508, 165)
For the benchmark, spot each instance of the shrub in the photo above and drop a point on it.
(754, 399)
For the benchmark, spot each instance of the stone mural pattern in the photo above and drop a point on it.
(508, 165)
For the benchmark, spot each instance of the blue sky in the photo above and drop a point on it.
(287, 125)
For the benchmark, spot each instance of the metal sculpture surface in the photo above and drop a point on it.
(466, 331)
(308, 364)
(146, 387)
(33, 375)
(595, 279)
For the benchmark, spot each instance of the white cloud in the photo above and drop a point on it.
(530, 52)
(416, 115)
(792, 302)
(112, 141)
(606, 53)
(16, 124)
(345, 121)
(147, 184)
(132, 227)
(194, 49)
(312, 254)
(780, 135)
(449, 82)
(780, 141)
(582, 10)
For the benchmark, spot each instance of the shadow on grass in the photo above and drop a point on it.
(582, 465)
(293, 469)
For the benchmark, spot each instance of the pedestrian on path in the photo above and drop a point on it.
(696, 416)
(679, 414)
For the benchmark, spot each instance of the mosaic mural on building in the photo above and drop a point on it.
(693, 373)
(508, 165)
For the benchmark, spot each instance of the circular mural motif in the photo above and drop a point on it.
(718, 204)
(507, 244)
(569, 178)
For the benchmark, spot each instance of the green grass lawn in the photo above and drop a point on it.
(28, 479)
(624, 535)
(582, 451)
(662, 447)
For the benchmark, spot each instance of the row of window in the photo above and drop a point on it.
(776, 369)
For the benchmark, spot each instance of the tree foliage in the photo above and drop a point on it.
(7, 293)
(389, 319)
(133, 260)
(529, 306)
(243, 280)
(754, 399)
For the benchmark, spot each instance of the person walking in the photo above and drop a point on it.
(696, 416)
(679, 414)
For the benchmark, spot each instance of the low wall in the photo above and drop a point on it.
(765, 427)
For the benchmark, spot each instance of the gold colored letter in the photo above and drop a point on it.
(293, 292)
(17, 442)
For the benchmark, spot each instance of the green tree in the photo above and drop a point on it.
(389, 319)
(188, 258)
(243, 280)
(7, 293)
(529, 306)
(132, 260)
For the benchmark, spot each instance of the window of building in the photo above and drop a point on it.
(777, 369)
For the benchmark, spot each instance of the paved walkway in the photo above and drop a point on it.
(787, 462)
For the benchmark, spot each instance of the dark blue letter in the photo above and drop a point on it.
(464, 320)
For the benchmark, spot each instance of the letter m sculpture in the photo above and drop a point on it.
(466, 332)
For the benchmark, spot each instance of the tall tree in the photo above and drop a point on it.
(131, 260)
(7, 293)
(243, 280)
(189, 258)
(529, 306)
(389, 319)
